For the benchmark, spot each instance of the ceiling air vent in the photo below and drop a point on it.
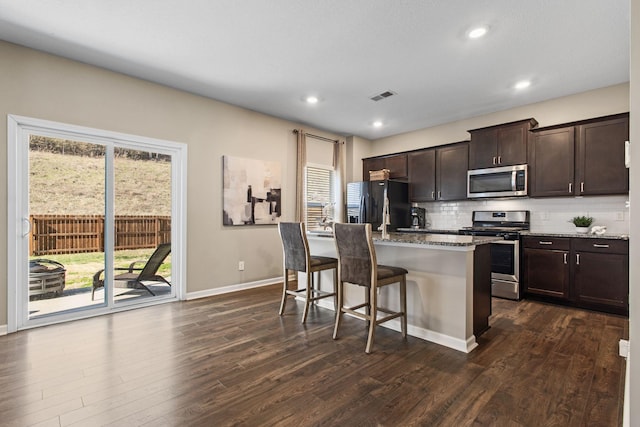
(382, 95)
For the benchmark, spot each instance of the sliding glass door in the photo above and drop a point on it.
(95, 216)
(66, 207)
(142, 224)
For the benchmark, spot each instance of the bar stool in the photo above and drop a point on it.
(296, 257)
(357, 265)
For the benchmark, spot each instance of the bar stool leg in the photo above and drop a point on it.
(308, 294)
(285, 286)
(335, 289)
(403, 305)
(339, 309)
(367, 300)
(373, 314)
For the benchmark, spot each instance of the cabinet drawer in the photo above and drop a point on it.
(541, 242)
(601, 245)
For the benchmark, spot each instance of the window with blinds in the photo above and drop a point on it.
(320, 197)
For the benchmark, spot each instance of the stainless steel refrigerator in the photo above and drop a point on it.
(365, 201)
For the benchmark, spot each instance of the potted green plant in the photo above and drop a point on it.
(582, 223)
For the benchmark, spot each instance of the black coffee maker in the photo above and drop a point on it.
(417, 217)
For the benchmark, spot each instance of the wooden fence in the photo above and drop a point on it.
(67, 234)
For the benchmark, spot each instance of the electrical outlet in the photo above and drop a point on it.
(241, 265)
(619, 216)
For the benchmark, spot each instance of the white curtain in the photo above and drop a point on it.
(339, 164)
(301, 162)
(317, 151)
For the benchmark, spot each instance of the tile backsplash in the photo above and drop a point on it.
(550, 215)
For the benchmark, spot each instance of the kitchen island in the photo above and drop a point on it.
(448, 285)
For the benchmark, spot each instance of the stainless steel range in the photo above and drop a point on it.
(505, 254)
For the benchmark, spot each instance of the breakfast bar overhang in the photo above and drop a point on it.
(448, 285)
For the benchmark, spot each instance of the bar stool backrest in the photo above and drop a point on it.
(295, 245)
(356, 254)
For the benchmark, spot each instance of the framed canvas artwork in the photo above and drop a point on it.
(251, 191)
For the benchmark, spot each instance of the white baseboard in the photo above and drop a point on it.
(465, 346)
(4, 330)
(232, 288)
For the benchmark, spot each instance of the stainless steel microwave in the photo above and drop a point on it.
(504, 181)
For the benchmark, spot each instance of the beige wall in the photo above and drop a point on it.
(357, 149)
(47, 87)
(600, 102)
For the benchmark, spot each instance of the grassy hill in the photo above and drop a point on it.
(74, 184)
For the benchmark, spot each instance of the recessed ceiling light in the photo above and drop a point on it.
(311, 99)
(477, 32)
(523, 84)
(377, 124)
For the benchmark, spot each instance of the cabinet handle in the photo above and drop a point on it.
(494, 161)
(439, 194)
(433, 195)
(582, 187)
(499, 160)
(570, 187)
(598, 245)
(577, 259)
(565, 257)
(542, 242)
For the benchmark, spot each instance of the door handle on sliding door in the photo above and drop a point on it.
(28, 227)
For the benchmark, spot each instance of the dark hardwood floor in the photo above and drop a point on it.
(231, 360)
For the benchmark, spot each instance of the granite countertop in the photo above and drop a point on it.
(427, 239)
(427, 230)
(576, 235)
(435, 239)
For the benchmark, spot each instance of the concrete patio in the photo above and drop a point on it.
(81, 298)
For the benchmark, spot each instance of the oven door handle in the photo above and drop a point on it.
(506, 242)
(516, 260)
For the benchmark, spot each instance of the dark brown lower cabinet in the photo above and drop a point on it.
(546, 266)
(601, 274)
(583, 272)
(547, 273)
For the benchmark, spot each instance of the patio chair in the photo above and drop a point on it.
(134, 277)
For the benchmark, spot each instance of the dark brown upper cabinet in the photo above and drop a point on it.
(439, 173)
(422, 175)
(452, 163)
(551, 162)
(500, 145)
(372, 164)
(396, 163)
(580, 158)
(600, 159)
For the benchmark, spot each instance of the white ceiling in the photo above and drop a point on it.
(267, 55)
